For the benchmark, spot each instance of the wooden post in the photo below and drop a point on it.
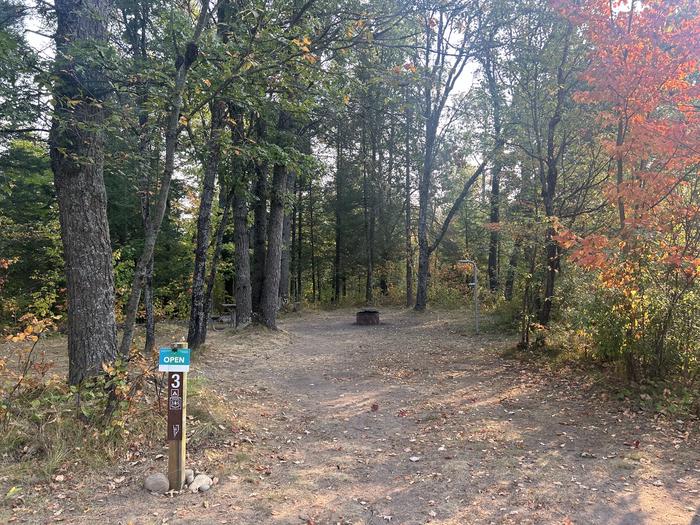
(177, 425)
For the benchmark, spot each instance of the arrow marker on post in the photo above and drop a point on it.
(176, 361)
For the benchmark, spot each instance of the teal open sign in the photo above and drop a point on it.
(174, 360)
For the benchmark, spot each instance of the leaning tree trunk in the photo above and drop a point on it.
(77, 160)
(171, 135)
(198, 322)
(150, 343)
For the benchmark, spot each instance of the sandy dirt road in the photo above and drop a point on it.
(415, 421)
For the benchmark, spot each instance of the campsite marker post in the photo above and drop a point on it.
(176, 361)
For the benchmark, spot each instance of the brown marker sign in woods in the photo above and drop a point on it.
(176, 362)
(175, 406)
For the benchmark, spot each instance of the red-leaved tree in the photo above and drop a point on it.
(643, 84)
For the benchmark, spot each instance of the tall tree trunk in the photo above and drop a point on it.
(216, 257)
(198, 322)
(147, 162)
(293, 262)
(549, 183)
(77, 159)
(512, 267)
(407, 210)
(312, 241)
(551, 248)
(489, 66)
(243, 291)
(423, 211)
(297, 266)
(528, 300)
(494, 219)
(319, 286)
(150, 343)
(171, 136)
(337, 261)
(369, 240)
(259, 224)
(270, 301)
(286, 244)
(552, 268)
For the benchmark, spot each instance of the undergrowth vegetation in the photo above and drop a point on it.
(49, 427)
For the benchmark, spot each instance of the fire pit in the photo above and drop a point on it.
(368, 316)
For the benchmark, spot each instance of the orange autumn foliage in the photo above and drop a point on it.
(642, 83)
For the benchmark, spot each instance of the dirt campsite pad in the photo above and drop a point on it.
(413, 421)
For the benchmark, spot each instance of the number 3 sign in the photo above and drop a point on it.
(176, 362)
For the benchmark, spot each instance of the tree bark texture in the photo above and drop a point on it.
(77, 160)
(407, 211)
(273, 258)
(259, 226)
(337, 260)
(216, 257)
(495, 198)
(243, 290)
(286, 244)
(423, 210)
(198, 322)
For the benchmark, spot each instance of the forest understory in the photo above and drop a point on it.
(417, 420)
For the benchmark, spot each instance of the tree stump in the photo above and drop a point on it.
(368, 316)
